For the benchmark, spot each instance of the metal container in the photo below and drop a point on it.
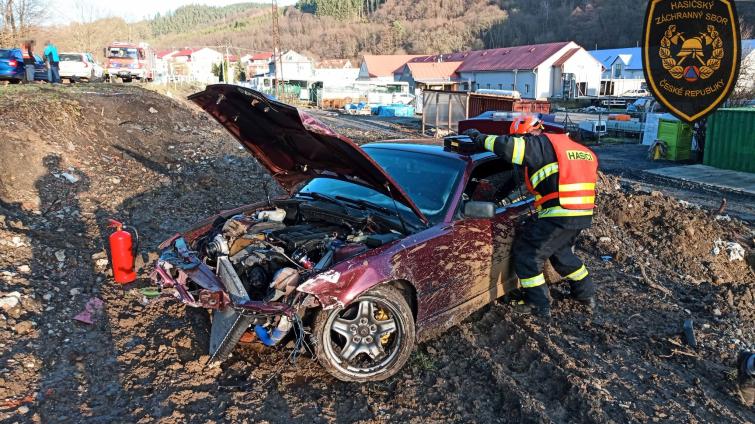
(678, 138)
(730, 139)
(480, 103)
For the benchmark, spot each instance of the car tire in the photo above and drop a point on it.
(380, 353)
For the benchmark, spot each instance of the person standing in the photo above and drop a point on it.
(53, 63)
(27, 51)
(562, 175)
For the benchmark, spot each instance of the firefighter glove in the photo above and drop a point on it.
(476, 136)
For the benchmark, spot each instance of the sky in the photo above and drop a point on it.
(65, 11)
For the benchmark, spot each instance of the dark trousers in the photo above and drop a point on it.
(542, 239)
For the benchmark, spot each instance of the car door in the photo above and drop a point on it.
(40, 69)
(497, 182)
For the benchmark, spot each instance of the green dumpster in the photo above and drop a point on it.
(678, 137)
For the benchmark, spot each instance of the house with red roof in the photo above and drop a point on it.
(437, 75)
(562, 69)
(384, 68)
(257, 64)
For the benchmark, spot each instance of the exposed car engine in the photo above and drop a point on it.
(273, 250)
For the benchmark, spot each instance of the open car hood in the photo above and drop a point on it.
(291, 144)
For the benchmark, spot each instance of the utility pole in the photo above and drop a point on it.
(277, 59)
(227, 66)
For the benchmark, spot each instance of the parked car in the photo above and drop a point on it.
(12, 66)
(639, 92)
(374, 247)
(79, 67)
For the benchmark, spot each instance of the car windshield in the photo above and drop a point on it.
(123, 52)
(429, 181)
(5, 54)
(70, 58)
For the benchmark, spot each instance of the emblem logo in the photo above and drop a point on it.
(691, 53)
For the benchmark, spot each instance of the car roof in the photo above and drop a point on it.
(422, 146)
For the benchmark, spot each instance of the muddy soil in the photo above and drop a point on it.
(73, 156)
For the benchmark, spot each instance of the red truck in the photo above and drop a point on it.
(129, 61)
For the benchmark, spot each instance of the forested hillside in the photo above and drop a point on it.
(187, 18)
(350, 28)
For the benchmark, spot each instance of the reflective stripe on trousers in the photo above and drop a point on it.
(579, 274)
(533, 281)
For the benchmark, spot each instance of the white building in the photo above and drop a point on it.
(563, 70)
(195, 64)
(258, 64)
(335, 73)
(622, 70)
(296, 67)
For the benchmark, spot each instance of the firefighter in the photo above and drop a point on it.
(27, 52)
(562, 175)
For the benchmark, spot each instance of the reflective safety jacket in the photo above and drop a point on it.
(560, 173)
(27, 54)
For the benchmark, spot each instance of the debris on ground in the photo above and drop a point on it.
(92, 308)
(140, 362)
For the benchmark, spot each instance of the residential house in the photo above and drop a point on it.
(383, 68)
(562, 69)
(258, 64)
(295, 67)
(335, 73)
(196, 64)
(430, 75)
(622, 70)
(162, 63)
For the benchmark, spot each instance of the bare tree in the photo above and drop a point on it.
(86, 27)
(19, 19)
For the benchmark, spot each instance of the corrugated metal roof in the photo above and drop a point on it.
(630, 56)
(262, 56)
(502, 59)
(386, 65)
(185, 52)
(561, 60)
(162, 53)
(435, 71)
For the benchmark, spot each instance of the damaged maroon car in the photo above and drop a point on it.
(375, 247)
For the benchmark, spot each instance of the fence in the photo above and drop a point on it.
(443, 110)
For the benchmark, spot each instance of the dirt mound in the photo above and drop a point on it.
(165, 170)
(668, 236)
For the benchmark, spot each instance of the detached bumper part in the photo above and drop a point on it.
(234, 311)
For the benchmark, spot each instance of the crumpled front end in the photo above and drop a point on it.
(180, 271)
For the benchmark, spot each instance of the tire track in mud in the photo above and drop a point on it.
(535, 379)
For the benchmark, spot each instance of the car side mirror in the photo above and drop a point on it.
(474, 209)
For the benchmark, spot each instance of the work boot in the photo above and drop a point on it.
(521, 308)
(746, 377)
(590, 302)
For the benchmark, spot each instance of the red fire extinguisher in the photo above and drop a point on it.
(123, 251)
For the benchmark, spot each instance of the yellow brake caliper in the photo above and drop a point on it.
(381, 315)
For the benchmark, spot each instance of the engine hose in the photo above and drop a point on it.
(274, 336)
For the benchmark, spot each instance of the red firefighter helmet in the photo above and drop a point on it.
(525, 124)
